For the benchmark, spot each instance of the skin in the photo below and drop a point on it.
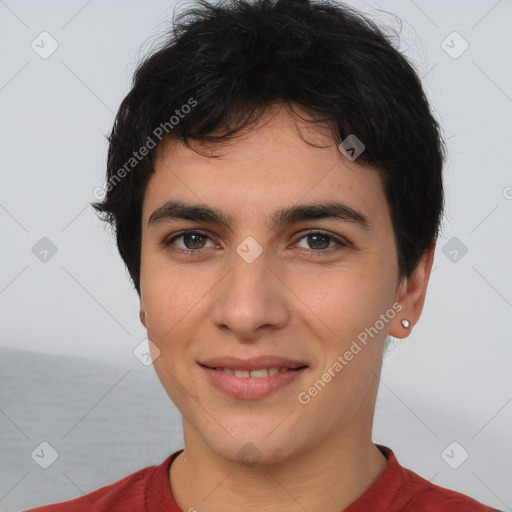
(293, 301)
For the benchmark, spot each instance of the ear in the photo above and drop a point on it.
(142, 315)
(411, 295)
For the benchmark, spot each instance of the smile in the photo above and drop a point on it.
(258, 374)
(252, 384)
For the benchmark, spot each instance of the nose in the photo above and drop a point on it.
(251, 299)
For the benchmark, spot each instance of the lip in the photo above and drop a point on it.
(254, 363)
(251, 388)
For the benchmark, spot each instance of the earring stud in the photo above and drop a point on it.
(406, 323)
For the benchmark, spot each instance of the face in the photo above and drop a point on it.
(302, 288)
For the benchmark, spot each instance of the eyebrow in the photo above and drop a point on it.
(174, 210)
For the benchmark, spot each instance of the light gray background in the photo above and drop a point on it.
(69, 326)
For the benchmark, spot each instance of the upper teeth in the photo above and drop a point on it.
(264, 372)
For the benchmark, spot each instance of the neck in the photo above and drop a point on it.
(328, 477)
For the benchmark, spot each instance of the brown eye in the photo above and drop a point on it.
(320, 241)
(316, 241)
(191, 241)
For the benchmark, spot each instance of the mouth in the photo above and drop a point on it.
(264, 362)
(252, 379)
(257, 373)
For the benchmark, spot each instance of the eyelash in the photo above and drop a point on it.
(198, 252)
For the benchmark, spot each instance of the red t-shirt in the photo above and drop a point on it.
(396, 490)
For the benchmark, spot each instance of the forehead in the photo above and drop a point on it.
(262, 170)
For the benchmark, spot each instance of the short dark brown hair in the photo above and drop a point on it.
(223, 65)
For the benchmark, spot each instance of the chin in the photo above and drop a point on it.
(250, 453)
(262, 444)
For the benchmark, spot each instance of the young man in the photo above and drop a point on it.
(274, 178)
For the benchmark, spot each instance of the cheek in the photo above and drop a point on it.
(179, 383)
(170, 294)
(344, 301)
